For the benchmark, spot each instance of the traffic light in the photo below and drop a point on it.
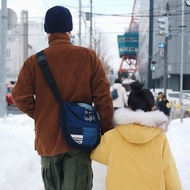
(187, 3)
(164, 25)
(153, 65)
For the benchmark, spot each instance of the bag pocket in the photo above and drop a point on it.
(91, 136)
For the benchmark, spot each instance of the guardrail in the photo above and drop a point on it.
(176, 110)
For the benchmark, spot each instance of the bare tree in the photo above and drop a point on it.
(99, 46)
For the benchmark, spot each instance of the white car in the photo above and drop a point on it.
(174, 97)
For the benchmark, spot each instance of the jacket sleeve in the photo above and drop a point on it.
(101, 96)
(23, 91)
(101, 152)
(172, 180)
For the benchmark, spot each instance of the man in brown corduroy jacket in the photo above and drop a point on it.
(79, 75)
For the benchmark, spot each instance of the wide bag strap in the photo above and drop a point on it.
(42, 62)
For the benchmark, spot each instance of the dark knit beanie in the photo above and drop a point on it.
(58, 19)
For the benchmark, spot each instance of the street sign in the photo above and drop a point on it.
(161, 45)
(187, 3)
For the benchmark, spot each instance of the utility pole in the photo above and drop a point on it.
(90, 24)
(150, 83)
(165, 76)
(80, 15)
(182, 50)
(164, 26)
(3, 56)
(25, 32)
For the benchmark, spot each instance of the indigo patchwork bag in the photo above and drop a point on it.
(80, 125)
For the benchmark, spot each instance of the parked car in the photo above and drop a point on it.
(9, 99)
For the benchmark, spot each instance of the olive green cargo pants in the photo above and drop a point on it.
(67, 171)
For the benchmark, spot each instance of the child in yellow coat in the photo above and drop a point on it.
(136, 151)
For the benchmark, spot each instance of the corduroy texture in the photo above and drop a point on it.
(79, 76)
(58, 19)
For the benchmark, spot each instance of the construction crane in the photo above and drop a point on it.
(128, 47)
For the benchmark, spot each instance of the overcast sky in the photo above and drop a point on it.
(109, 26)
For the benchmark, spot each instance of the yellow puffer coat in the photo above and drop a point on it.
(137, 153)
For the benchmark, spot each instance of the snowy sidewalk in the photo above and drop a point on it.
(20, 164)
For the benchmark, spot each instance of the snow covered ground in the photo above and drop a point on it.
(20, 164)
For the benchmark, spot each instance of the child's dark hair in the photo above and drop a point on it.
(139, 98)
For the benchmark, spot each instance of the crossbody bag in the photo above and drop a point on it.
(79, 121)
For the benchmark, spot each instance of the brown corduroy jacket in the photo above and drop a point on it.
(79, 76)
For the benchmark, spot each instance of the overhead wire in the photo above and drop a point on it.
(156, 10)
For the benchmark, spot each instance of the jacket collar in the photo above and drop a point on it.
(59, 38)
(149, 119)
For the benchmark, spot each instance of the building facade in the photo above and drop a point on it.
(26, 38)
(172, 60)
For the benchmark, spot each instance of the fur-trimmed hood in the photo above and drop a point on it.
(138, 126)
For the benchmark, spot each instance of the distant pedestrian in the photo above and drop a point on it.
(121, 100)
(159, 99)
(164, 105)
(80, 77)
(136, 151)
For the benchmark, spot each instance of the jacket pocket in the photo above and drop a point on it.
(47, 176)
